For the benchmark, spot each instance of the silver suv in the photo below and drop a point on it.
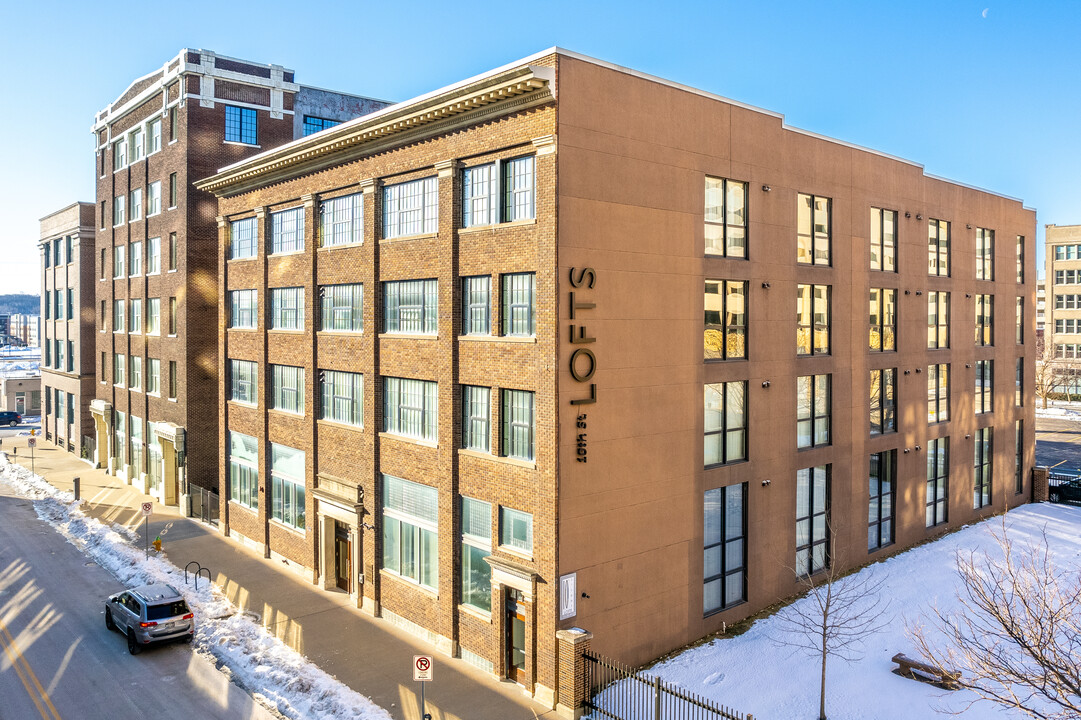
(150, 614)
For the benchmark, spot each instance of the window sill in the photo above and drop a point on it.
(404, 336)
(302, 532)
(171, 207)
(340, 333)
(236, 329)
(530, 340)
(526, 464)
(342, 245)
(239, 403)
(173, 270)
(285, 253)
(236, 259)
(254, 511)
(383, 572)
(474, 612)
(172, 400)
(285, 413)
(406, 238)
(515, 553)
(286, 331)
(339, 424)
(496, 226)
(153, 272)
(409, 440)
(241, 144)
(154, 394)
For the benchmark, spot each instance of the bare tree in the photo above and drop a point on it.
(1016, 637)
(836, 614)
(1050, 372)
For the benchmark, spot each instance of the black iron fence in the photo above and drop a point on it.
(204, 504)
(1064, 488)
(617, 692)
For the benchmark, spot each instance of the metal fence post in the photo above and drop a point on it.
(76, 481)
(657, 697)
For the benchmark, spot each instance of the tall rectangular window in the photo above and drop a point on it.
(135, 258)
(118, 261)
(499, 192)
(342, 308)
(1019, 383)
(411, 408)
(153, 198)
(135, 204)
(174, 380)
(1019, 457)
(813, 229)
(243, 309)
(70, 303)
(518, 189)
(480, 190)
(1019, 318)
(243, 236)
(518, 424)
(243, 470)
(883, 240)
(241, 125)
(287, 473)
(135, 317)
(120, 364)
(938, 248)
(476, 545)
(519, 305)
(726, 320)
(243, 382)
(153, 316)
(69, 250)
(812, 519)
(287, 231)
(120, 154)
(137, 145)
(287, 388)
(883, 405)
(173, 316)
(287, 308)
(812, 319)
(476, 305)
(515, 530)
(411, 307)
(341, 220)
(136, 377)
(153, 256)
(174, 124)
(1020, 259)
(725, 422)
(984, 397)
(174, 254)
(938, 393)
(981, 480)
(342, 397)
(880, 499)
(938, 319)
(119, 204)
(883, 307)
(411, 531)
(411, 208)
(70, 356)
(173, 189)
(812, 411)
(154, 131)
(985, 320)
(104, 259)
(726, 218)
(724, 561)
(985, 254)
(937, 495)
(476, 417)
(153, 376)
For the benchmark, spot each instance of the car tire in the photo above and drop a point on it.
(14, 423)
(187, 639)
(133, 644)
(109, 619)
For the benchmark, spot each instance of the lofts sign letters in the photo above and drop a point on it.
(583, 362)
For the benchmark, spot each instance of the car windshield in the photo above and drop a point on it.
(166, 610)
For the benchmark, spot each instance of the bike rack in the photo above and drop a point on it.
(199, 571)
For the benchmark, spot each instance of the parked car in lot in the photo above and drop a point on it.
(8, 417)
(150, 614)
(1064, 490)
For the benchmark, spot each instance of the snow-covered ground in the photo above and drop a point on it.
(1065, 411)
(754, 674)
(273, 673)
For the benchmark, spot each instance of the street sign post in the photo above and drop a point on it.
(422, 673)
(32, 443)
(147, 509)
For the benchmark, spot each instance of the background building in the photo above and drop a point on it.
(67, 305)
(492, 407)
(156, 307)
(25, 329)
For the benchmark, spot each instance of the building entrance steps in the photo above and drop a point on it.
(367, 654)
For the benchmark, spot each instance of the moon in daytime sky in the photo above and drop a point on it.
(984, 13)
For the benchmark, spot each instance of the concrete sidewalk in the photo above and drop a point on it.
(369, 655)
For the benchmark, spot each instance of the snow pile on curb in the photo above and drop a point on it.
(271, 671)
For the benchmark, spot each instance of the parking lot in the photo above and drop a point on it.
(1058, 444)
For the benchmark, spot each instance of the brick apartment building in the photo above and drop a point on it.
(68, 341)
(1062, 245)
(155, 412)
(519, 355)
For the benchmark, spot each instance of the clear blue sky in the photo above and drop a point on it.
(986, 93)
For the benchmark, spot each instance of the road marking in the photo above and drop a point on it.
(27, 676)
(1056, 465)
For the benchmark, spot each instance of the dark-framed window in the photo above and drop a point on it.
(342, 397)
(411, 307)
(883, 240)
(985, 320)
(1020, 259)
(985, 254)
(938, 248)
(1019, 473)
(983, 400)
(813, 410)
(812, 319)
(726, 320)
(476, 305)
(476, 418)
(287, 231)
(1019, 383)
(725, 422)
(519, 304)
(938, 319)
(726, 218)
(938, 474)
(981, 479)
(813, 229)
(883, 404)
(883, 318)
(342, 307)
(519, 420)
(724, 576)
(938, 393)
(241, 125)
(880, 499)
(1019, 318)
(313, 124)
(812, 519)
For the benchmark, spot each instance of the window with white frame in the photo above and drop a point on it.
(476, 305)
(518, 424)
(119, 203)
(136, 378)
(287, 474)
(515, 530)
(153, 376)
(153, 316)
(476, 545)
(135, 203)
(411, 531)
(135, 258)
(153, 256)
(476, 417)
(154, 132)
(243, 470)
(503, 191)
(812, 519)
(411, 307)
(287, 308)
(118, 315)
(153, 198)
(411, 408)
(135, 317)
(136, 143)
(287, 231)
(342, 397)
(120, 153)
(411, 208)
(243, 382)
(342, 220)
(342, 308)
(243, 309)
(724, 566)
(287, 388)
(243, 240)
(519, 305)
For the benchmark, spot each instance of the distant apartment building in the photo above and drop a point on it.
(493, 407)
(1062, 245)
(1041, 307)
(25, 329)
(155, 306)
(68, 287)
(20, 392)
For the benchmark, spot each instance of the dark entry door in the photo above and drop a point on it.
(515, 636)
(343, 561)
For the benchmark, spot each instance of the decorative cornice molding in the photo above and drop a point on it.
(445, 168)
(545, 145)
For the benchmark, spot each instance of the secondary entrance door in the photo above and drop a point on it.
(515, 636)
(343, 560)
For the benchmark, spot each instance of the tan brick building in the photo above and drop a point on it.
(68, 332)
(155, 305)
(1062, 325)
(519, 355)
